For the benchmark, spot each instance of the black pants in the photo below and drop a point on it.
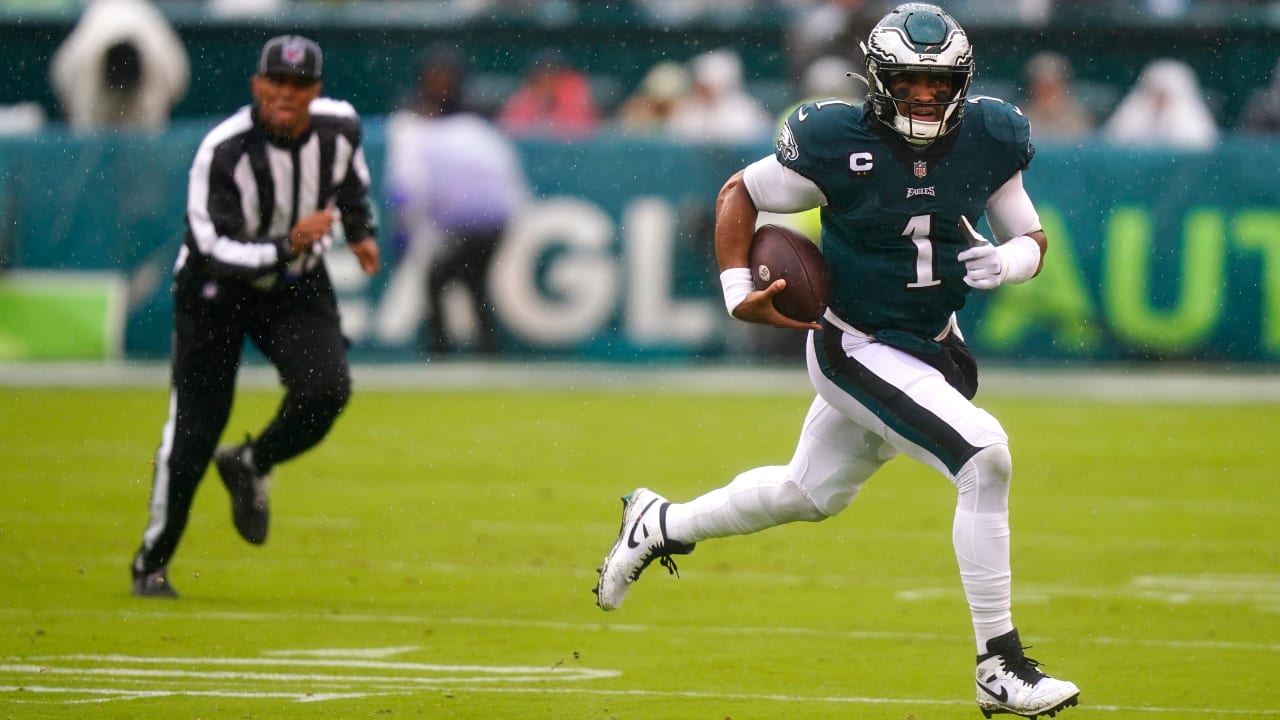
(466, 256)
(297, 329)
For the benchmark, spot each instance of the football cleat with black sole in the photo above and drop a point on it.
(1010, 683)
(641, 540)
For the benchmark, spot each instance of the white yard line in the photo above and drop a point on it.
(107, 693)
(1213, 384)
(565, 626)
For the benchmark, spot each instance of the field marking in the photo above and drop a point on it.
(1261, 591)
(345, 652)
(567, 626)
(347, 683)
(1203, 383)
(118, 694)
(383, 680)
(513, 673)
(112, 694)
(860, 700)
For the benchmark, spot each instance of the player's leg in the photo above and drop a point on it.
(445, 267)
(302, 337)
(207, 342)
(833, 458)
(914, 409)
(479, 249)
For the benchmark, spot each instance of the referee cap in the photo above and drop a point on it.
(291, 55)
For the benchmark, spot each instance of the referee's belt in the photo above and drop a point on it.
(303, 265)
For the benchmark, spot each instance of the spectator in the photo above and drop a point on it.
(1165, 107)
(1050, 105)
(832, 76)
(1262, 111)
(719, 109)
(554, 100)
(454, 181)
(831, 27)
(121, 66)
(649, 108)
(441, 86)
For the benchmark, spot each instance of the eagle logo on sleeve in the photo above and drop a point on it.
(786, 146)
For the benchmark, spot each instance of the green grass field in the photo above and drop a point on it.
(434, 559)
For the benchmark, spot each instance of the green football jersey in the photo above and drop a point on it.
(890, 229)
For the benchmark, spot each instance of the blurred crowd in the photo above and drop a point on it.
(123, 65)
(1024, 11)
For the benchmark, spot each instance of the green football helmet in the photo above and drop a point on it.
(918, 37)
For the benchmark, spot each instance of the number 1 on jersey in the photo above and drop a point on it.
(918, 231)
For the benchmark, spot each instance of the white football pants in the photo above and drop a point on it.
(875, 401)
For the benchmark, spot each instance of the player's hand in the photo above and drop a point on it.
(309, 230)
(758, 308)
(984, 268)
(983, 265)
(366, 251)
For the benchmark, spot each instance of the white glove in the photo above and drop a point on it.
(987, 266)
(983, 267)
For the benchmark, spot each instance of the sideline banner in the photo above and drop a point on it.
(47, 315)
(1153, 255)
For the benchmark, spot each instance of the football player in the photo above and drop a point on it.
(900, 180)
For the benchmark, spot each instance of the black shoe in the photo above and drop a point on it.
(248, 489)
(153, 584)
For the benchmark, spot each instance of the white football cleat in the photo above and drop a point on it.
(641, 539)
(1010, 683)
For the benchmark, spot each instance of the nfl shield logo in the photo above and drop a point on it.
(921, 168)
(295, 52)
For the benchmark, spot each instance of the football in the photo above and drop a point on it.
(780, 252)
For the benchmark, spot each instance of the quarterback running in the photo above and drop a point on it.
(902, 182)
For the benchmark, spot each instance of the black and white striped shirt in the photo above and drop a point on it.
(247, 189)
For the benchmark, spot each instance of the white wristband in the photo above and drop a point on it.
(1021, 258)
(737, 285)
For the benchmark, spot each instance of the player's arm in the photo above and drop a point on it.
(735, 223)
(1011, 213)
(763, 185)
(1019, 255)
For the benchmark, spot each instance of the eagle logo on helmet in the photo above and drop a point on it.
(918, 37)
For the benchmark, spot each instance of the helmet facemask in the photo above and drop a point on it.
(918, 38)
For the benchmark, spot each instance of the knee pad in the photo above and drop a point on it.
(983, 481)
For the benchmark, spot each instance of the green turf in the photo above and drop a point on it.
(434, 558)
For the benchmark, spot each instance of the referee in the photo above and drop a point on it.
(265, 190)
